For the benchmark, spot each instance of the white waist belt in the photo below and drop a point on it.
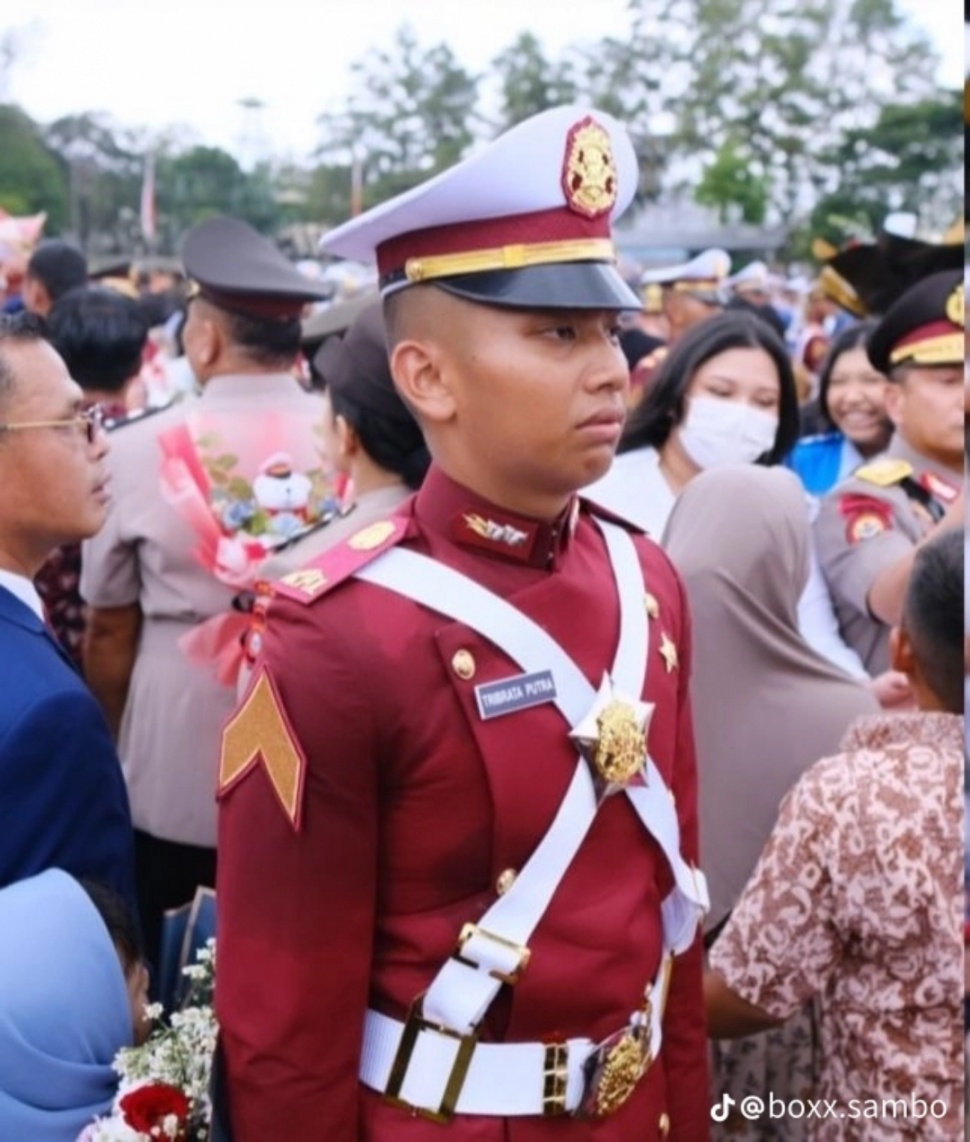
(503, 1079)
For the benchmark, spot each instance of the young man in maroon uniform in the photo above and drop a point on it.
(458, 837)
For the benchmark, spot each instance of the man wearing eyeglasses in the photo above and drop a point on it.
(62, 795)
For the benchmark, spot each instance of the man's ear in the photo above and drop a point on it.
(208, 341)
(422, 379)
(901, 653)
(894, 401)
(348, 442)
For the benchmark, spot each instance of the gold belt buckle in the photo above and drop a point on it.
(413, 1026)
(613, 1070)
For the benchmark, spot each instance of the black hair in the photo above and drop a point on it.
(766, 313)
(264, 340)
(101, 335)
(854, 337)
(395, 443)
(933, 616)
(118, 919)
(58, 266)
(22, 328)
(663, 407)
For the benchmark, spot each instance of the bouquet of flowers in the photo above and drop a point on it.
(164, 1089)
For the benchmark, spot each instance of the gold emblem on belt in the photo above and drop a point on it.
(624, 1067)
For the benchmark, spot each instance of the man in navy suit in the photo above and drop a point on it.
(63, 801)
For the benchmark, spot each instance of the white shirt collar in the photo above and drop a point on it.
(24, 590)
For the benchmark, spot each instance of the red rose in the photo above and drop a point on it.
(150, 1105)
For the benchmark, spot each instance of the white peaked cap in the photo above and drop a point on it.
(755, 275)
(709, 267)
(525, 221)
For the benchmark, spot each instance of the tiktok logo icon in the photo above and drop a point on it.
(720, 1110)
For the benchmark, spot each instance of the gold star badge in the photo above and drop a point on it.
(668, 652)
(613, 738)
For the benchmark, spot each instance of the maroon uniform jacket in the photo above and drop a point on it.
(410, 807)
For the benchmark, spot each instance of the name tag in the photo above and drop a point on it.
(509, 695)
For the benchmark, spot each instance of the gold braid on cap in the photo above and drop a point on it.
(509, 258)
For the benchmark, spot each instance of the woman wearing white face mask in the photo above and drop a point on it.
(725, 395)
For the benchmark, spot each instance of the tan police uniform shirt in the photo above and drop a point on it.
(145, 554)
(368, 508)
(864, 527)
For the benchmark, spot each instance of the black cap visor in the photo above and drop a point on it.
(566, 285)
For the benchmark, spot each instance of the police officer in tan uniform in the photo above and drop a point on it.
(143, 577)
(869, 527)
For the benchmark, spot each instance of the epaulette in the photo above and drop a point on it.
(884, 473)
(335, 566)
(112, 424)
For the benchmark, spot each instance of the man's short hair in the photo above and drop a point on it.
(101, 335)
(267, 341)
(933, 616)
(59, 267)
(16, 329)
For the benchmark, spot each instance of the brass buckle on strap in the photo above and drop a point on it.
(555, 1079)
(522, 953)
(413, 1026)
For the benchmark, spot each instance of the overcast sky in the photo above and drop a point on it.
(152, 64)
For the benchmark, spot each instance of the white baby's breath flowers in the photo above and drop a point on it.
(177, 1054)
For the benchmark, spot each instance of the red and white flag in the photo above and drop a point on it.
(147, 213)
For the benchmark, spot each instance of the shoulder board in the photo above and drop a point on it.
(883, 473)
(114, 423)
(335, 566)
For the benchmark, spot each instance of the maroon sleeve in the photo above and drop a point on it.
(296, 906)
(685, 1027)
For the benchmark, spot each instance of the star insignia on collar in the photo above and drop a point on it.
(668, 652)
(613, 738)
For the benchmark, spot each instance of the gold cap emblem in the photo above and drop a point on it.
(463, 664)
(371, 536)
(589, 178)
(955, 305)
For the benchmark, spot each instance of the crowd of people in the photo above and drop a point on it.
(533, 784)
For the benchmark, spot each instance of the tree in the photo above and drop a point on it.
(197, 184)
(32, 178)
(904, 161)
(529, 82)
(408, 116)
(731, 181)
(104, 164)
(787, 78)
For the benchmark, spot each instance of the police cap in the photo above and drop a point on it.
(237, 269)
(924, 327)
(704, 277)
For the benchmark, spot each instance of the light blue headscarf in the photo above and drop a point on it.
(64, 1010)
